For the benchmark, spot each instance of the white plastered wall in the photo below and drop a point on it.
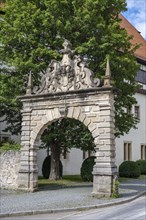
(135, 136)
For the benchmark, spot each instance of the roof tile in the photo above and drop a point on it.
(137, 38)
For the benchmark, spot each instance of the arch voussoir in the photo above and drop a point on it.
(95, 133)
(92, 127)
(70, 112)
(76, 113)
(87, 121)
(56, 113)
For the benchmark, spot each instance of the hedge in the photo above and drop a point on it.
(142, 166)
(87, 168)
(129, 169)
(46, 167)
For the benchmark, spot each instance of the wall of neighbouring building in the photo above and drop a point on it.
(137, 137)
(7, 136)
(71, 164)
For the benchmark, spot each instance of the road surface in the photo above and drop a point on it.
(135, 210)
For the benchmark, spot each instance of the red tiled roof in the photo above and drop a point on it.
(137, 38)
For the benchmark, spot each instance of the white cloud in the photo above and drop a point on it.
(142, 28)
(136, 14)
(135, 3)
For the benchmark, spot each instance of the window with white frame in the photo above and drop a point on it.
(137, 111)
(143, 67)
(127, 151)
(143, 151)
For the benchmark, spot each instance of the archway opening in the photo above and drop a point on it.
(64, 145)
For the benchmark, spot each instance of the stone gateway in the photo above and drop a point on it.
(67, 89)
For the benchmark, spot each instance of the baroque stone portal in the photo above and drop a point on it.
(67, 89)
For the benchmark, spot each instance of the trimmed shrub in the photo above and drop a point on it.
(129, 169)
(142, 166)
(87, 168)
(47, 165)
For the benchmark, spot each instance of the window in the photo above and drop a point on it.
(143, 151)
(65, 154)
(86, 154)
(5, 138)
(129, 110)
(127, 151)
(137, 112)
(143, 67)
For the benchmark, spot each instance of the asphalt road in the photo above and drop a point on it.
(135, 210)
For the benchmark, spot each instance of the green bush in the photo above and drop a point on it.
(87, 168)
(9, 146)
(129, 169)
(115, 190)
(142, 165)
(46, 167)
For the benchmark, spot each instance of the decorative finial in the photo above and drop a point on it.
(66, 44)
(67, 48)
(29, 85)
(107, 79)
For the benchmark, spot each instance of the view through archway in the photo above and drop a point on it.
(58, 142)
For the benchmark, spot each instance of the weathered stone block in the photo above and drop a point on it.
(56, 113)
(95, 133)
(76, 113)
(87, 121)
(70, 112)
(9, 167)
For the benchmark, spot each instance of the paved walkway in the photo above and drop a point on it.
(14, 203)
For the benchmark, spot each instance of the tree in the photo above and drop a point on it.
(10, 88)
(63, 135)
(32, 33)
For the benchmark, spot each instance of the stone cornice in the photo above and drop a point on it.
(76, 93)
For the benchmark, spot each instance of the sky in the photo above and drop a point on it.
(136, 15)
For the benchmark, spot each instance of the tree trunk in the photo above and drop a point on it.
(55, 158)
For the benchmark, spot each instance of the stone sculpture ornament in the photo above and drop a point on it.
(67, 75)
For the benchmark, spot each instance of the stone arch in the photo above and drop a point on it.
(67, 89)
(74, 113)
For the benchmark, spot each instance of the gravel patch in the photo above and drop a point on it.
(70, 197)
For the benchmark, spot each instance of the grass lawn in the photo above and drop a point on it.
(71, 180)
(68, 180)
(122, 179)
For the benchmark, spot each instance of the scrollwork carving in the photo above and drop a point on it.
(42, 84)
(69, 74)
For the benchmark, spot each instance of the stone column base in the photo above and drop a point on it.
(103, 180)
(102, 186)
(28, 180)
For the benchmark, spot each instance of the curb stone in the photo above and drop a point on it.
(81, 208)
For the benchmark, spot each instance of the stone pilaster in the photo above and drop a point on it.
(27, 176)
(105, 170)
